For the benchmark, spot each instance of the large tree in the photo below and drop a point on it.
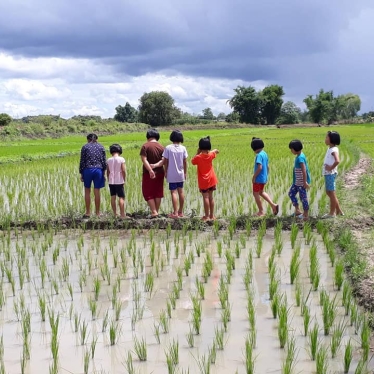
(321, 107)
(157, 108)
(126, 113)
(271, 103)
(246, 103)
(5, 119)
(208, 114)
(290, 113)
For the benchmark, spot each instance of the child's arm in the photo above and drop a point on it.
(216, 151)
(166, 165)
(148, 167)
(159, 164)
(303, 170)
(123, 168)
(107, 173)
(185, 168)
(336, 162)
(257, 172)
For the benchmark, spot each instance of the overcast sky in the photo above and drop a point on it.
(86, 57)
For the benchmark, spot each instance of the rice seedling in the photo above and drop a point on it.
(190, 339)
(129, 364)
(353, 315)
(164, 322)
(226, 316)
(294, 233)
(93, 346)
(105, 322)
(200, 288)
(274, 304)
(273, 284)
(306, 319)
(329, 311)
(346, 297)
(187, 265)
(361, 367)
(283, 329)
(295, 265)
(93, 308)
(196, 314)
(288, 366)
(203, 362)
(223, 293)
(249, 358)
(298, 293)
(86, 361)
(114, 332)
(307, 233)
(336, 337)
(322, 364)
(219, 338)
(96, 287)
(149, 283)
(313, 341)
(180, 278)
(83, 332)
(259, 245)
(348, 355)
(140, 348)
(365, 339)
(339, 274)
(156, 332)
(247, 277)
(173, 353)
(117, 310)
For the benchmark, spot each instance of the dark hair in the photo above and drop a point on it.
(115, 148)
(153, 133)
(92, 137)
(204, 144)
(257, 144)
(296, 145)
(334, 137)
(176, 137)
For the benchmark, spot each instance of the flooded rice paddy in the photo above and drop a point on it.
(163, 301)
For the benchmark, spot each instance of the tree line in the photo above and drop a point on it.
(248, 105)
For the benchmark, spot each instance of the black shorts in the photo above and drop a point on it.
(117, 190)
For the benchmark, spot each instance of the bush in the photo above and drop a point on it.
(5, 119)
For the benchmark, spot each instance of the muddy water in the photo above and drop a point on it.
(85, 254)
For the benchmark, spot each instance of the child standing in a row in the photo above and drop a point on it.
(260, 178)
(206, 176)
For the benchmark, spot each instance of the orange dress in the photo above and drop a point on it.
(206, 177)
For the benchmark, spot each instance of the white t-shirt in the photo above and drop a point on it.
(175, 154)
(329, 160)
(115, 170)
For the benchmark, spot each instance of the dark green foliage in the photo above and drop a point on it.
(5, 119)
(126, 113)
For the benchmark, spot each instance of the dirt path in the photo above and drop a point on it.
(352, 177)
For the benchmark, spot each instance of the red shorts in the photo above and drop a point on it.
(153, 188)
(258, 187)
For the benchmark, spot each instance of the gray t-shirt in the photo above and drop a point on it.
(175, 154)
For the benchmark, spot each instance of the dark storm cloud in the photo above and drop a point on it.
(225, 38)
(301, 44)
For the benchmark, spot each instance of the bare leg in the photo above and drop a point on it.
(152, 206)
(211, 205)
(113, 204)
(181, 200)
(174, 201)
(258, 203)
(121, 204)
(297, 210)
(334, 204)
(267, 198)
(97, 200)
(206, 205)
(87, 200)
(158, 203)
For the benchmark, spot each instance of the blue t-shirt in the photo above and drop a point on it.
(298, 173)
(262, 158)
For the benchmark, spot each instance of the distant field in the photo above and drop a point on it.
(51, 187)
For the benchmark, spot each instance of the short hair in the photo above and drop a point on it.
(153, 133)
(115, 148)
(334, 137)
(92, 137)
(296, 145)
(176, 136)
(257, 144)
(204, 144)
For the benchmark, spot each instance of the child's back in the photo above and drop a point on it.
(115, 169)
(176, 155)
